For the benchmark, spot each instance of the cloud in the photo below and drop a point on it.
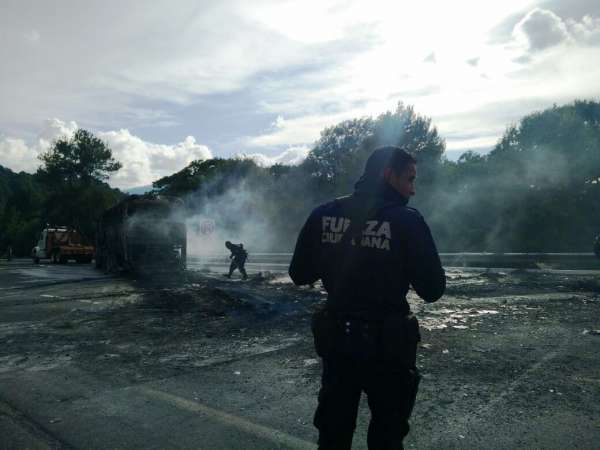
(555, 64)
(422, 91)
(164, 73)
(300, 131)
(143, 162)
(54, 129)
(473, 61)
(572, 9)
(153, 54)
(19, 156)
(293, 156)
(586, 31)
(541, 29)
(16, 155)
(430, 58)
(32, 36)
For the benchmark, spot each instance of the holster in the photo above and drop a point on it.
(400, 336)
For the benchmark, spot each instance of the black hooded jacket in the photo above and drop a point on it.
(367, 248)
(237, 251)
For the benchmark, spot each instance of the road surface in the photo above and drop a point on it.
(89, 361)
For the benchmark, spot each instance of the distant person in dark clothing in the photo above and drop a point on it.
(238, 258)
(597, 246)
(367, 248)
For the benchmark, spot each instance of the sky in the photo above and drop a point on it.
(165, 83)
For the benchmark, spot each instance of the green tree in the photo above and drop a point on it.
(73, 172)
(21, 200)
(339, 155)
(207, 178)
(336, 155)
(547, 168)
(82, 159)
(537, 190)
(407, 129)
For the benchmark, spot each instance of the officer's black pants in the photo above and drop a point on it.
(391, 393)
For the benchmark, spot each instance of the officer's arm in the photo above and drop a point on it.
(303, 268)
(425, 270)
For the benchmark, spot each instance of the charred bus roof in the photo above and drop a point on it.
(148, 204)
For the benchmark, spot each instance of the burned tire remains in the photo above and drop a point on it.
(143, 234)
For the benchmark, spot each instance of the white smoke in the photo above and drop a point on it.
(234, 216)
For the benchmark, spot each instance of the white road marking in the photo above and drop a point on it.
(464, 424)
(276, 436)
(515, 383)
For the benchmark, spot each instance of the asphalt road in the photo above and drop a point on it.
(89, 361)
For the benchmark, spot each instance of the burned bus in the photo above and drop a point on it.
(143, 233)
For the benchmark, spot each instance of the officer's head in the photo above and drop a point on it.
(401, 172)
(394, 166)
(227, 244)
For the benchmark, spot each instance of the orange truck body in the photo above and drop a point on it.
(62, 244)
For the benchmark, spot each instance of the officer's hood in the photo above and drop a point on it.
(371, 183)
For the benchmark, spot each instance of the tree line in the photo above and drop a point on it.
(537, 190)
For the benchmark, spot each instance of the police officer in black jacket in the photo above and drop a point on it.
(367, 249)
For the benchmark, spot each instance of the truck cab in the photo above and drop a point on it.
(39, 251)
(44, 246)
(61, 244)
